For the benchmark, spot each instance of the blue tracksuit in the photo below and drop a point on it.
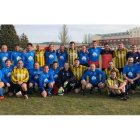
(7, 74)
(55, 73)
(16, 56)
(95, 77)
(62, 58)
(131, 71)
(83, 57)
(28, 59)
(45, 79)
(3, 57)
(1, 89)
(94, 54)
(35, 74)
(50, 57)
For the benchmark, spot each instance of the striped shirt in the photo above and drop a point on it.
(19, 75)
(120, 58)
(108, 72)
(78, 71)
(72, 55)
(40, 57)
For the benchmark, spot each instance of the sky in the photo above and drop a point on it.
(46, 33)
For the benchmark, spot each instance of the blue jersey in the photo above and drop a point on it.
(55, 73)
(7, 74)
(138, 68)
(94, 54)
(45, 79)
(1, 76)
(62, 58)
(35, 74)
(83, 57)
(131, 71)
(28, 59)
(3, 57)
(16, 56)
(50, 57)
(94, 77)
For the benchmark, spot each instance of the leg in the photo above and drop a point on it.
(24, 90)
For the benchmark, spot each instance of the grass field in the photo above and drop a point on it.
(71, 104)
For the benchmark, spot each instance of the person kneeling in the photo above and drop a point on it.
(116, 86)
(20, 77)
(46, 82)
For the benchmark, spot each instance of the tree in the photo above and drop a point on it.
(23, 40)
(87, 38)
(9, 36)
(63, 35)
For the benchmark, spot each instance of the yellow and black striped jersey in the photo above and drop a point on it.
(120, 58)
(40, 57)
(72, 55)
(108, 72)
(78, 71)
(113, 82)
(19, 75)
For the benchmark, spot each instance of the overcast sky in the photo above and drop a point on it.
(43, 33)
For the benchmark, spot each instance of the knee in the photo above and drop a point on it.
(77, 90)
(51, 85)
(83, 82)
(30, 85)
(24, 86)
(88, 86)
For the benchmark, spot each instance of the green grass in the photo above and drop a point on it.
(71, 104)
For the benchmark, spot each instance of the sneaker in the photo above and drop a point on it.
(19, 94)
(124, 98)
(26, 97)
(61, 94)
(1, 97)
(127, 96)
(49, 94)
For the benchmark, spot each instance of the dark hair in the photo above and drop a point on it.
(20, 60)
(130, 57)
(8, 60)
(50, 45)
(37, 62)
(112, 71)
(94, 41)
(76, 59)
(111, 61)
(55, 62)
(46, 66)
(106, 44)
(72, 42)
(29, 44)
(17, 45)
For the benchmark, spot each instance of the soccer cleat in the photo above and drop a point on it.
(26, 97)
(61, 94)
(1, 97)
(124, 98)
(19, 94)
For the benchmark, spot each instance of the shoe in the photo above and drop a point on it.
(83, 92)
(124, 98)
(61, 94)
(49, 94)
(19, 94)
(1, 97)
(26, 97)
(127, 96)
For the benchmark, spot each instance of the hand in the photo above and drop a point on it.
(131, 81)
(8, 85)
(36, 84)
(20, 82)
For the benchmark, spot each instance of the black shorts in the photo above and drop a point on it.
(132, 86)
(78, 84)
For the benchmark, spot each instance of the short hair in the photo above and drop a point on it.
(29, 44)
(76, 59)
(111, 61)
(130, 57)
(50, 45)
(17, 45)
(106, 44)
(8, 60)
(36, 62)
(72, 42)
(94, 41)
(121, 43)
(112, 71)
(20, 60)
(46, 66)
(55, 62)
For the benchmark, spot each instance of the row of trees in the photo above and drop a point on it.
(9, 36)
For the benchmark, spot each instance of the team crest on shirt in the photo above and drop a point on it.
(62, 57)
(18, 58)
(36, 77)
(45, 80)
(9, 74)
(55, 76)
(51, 56)
(4, 58)
(130, 74)
(30, 58)
(94, 54)
(93, 78)
(84, 58)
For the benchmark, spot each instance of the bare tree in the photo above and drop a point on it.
(63, 35)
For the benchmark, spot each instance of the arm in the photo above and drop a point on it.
(14, 80)
(3, 79)
(27, 76)
(41, 83)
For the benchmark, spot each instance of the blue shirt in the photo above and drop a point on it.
(83, 57)
(94, 54)
(7, 74)
(35, 74)
(3, 57)
(1, 76)
(131, 71)
(62, 58)
(50, 57)
(28, 59)
(55, 73)
(136, 56)
(45, 79)
(95, 77)
(16, 56)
